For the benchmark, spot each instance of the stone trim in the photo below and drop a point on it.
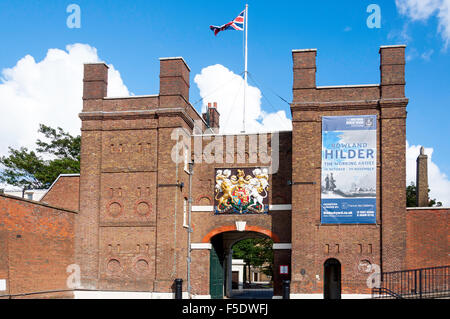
(427, 208)
(201, 246)
(275, 207)
(202, 208)
(176, 58)
(279, 246)
(304, 50)
(347, 86)
(98, 294)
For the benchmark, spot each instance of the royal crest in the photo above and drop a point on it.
(242, 191)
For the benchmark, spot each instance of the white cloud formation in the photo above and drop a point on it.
(422, 10)
(48, 92)
(218, 84)
(427, 55)
(438, 182)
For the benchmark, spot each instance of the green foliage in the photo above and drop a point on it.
(28, 169)
(411, 195)
(255, 252)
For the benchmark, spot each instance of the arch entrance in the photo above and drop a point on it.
(221, 267)
(212, 259)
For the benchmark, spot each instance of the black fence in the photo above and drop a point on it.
(414, 284)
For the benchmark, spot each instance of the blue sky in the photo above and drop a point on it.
(132, 35)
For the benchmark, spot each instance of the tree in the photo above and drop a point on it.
(256, 252)
(411, 197)
(29, 170)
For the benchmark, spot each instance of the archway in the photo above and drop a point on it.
(248, 228)
(221, 260)
(332, 279)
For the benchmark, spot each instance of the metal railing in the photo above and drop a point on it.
(384, 293)
(415, 284)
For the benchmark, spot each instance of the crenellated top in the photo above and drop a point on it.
(307, 95)
(172, 100)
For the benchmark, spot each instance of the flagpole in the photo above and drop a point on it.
(245, 64)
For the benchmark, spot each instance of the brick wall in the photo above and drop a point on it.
(129, 233)
(4, 265)
(427, 237)
(313, 243)
(37, 246)
(64, 193)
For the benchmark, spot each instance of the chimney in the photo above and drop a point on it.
(422, 179)
(212, 117)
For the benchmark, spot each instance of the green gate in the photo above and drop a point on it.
(215, 275)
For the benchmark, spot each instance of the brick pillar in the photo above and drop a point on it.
(200, 270)
(393, 158)
(304, 68)
(422, 180)
(95, 86)
(174, 82)
(281, 257)
(306, 161)
(392, 71)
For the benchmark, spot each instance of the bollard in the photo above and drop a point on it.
(178, 288)
(286, 289)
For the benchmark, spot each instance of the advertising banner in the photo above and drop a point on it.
(349, 169)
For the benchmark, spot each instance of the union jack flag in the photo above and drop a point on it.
(236, 24)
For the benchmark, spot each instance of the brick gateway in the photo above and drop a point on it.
(124, 220)
(129, 233)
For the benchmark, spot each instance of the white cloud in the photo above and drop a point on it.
(48, 92)
(438, 182)
(422, 10)
(418, 9)
(427, 55)
(218, 84)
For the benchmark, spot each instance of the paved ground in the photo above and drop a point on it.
(252, 294)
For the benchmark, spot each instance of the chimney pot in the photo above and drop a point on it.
(212, 117)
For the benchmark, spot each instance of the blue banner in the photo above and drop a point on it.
(349, 157)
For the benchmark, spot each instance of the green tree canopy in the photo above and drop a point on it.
(28, 169)
(255, 252)
(411, 196)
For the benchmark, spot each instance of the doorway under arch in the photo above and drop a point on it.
(332, 279)
(221, 261)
